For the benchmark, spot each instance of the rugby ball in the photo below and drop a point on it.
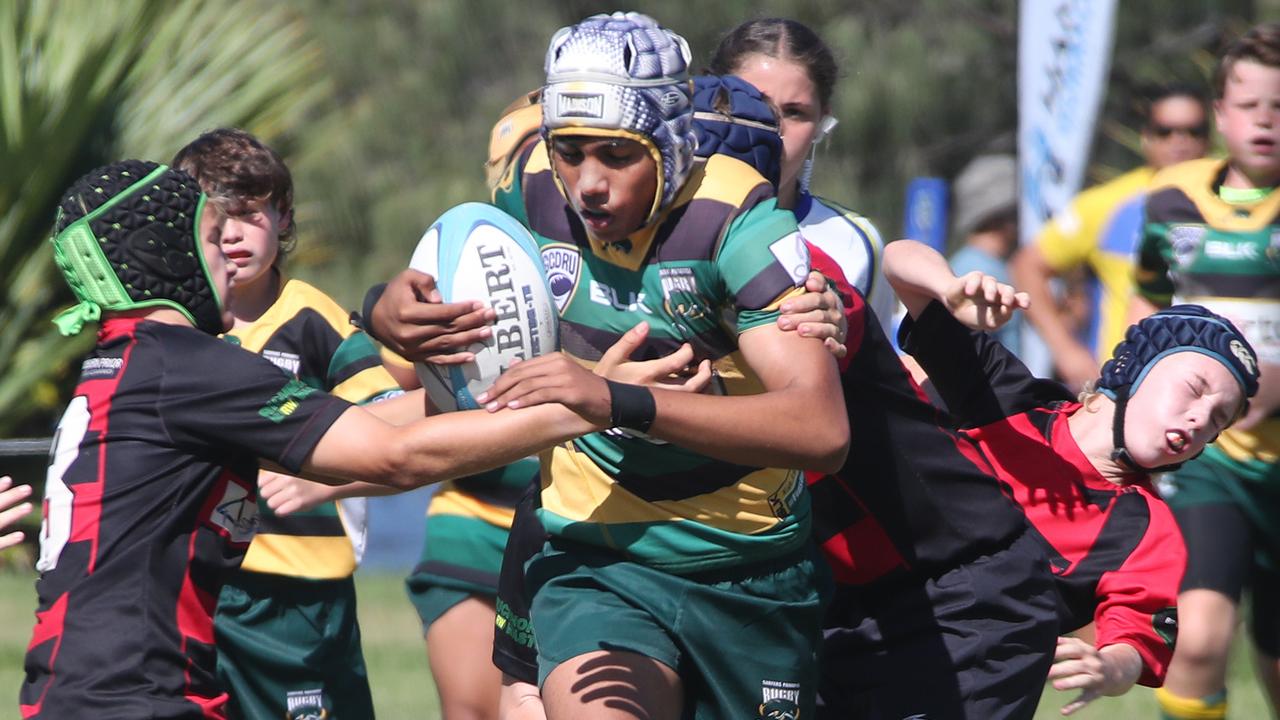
(477, 252)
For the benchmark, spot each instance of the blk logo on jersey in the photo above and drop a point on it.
(625, 301)
(562, 263)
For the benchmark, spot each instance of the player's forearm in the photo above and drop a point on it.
(402, 409)
(359, 488)
(802, 426)
(917, 273)
(458, 444)
(1122, 666)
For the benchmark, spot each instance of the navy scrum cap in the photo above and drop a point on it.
(731, 117)
(1181, 328)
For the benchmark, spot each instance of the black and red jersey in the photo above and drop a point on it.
(150, 498)
(1115, 550)
(914, 498)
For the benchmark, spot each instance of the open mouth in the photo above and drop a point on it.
(1263, 146)
(596, 218)
(1176, 441)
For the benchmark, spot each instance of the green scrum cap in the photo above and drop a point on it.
(127, 236)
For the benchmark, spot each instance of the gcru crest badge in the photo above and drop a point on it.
(563, 264)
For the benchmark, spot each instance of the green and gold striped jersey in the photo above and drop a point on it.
(716, 264)
(308, 335)
(1198, 248)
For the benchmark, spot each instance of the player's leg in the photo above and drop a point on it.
(1219, 542)
(459, 649)
(1264, 625)
(288, 646)
(601, 645)
(611, 684)
(454, 583)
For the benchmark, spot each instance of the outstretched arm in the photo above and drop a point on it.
(920, 276)
(359, 446)
(798, 422)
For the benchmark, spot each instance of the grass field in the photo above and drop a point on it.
(402, 687)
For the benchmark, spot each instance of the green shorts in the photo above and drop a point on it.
(461, 557)
(744, 641)
(1254, 488)
(290, 648)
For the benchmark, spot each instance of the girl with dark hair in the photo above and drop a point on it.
(796, 70)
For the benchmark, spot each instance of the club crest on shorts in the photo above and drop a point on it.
(563, 264)
(781, 700)
(306, 705)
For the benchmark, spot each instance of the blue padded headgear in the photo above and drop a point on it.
(623, 75)
(731, 117)
(1181, 328)
(127, 236)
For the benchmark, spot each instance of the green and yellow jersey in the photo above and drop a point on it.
(716, 264)
(1198, 248)
(308, 335)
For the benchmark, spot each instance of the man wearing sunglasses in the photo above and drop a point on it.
(1100, 230)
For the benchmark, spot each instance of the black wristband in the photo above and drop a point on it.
(371, 298)
(631, 406)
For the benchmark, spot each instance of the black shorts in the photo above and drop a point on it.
(515, 651)
(974, 643)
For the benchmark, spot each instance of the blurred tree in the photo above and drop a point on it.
(82, 84)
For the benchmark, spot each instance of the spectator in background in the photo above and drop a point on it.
(986, 202)
(1100, 230)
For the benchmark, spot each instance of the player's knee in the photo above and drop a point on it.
(1203, 649)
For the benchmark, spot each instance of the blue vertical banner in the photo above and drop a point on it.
(1064, 52)
(926, 212)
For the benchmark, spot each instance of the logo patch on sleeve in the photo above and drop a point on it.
(285, 401)
(793, 255)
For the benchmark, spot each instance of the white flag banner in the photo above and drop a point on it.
(1064, 50)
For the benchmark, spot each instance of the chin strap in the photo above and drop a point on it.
(72, 320)
(1120, 454)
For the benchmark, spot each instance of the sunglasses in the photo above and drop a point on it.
(1199, 132)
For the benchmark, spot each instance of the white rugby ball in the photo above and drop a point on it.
(477, 252)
